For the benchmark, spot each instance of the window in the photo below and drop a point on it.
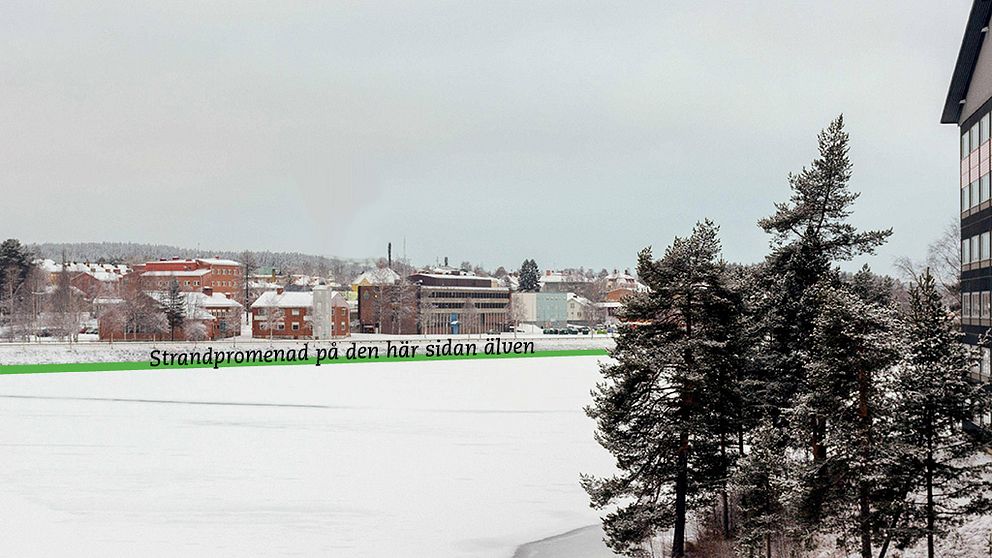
(280, 327)
(984, 129)
(296, 311)
(976, 252)
(974, 137)
(296, 326)
(985, 245)
(964, 199)
(965, 148)
(974, 193)
(965, 251)
(986, 304)
(976, 305)
(965, 305)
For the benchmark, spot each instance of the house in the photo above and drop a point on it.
(624, 280)
(284, 314)
(206, 315)
(223, 276)
(92, 279)
(581, 309)
(562, 281)
(331, 314)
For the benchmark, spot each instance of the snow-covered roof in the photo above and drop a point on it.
(563, 277)
(102, 272)
(380, 276)
(177, 273)
(217, 261)
(286, 299)
(195, 304)
(577, 298)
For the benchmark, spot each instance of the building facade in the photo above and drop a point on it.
(435, 304)
(223, 276)
(282, 314)
(968, 106)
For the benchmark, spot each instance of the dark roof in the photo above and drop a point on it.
(971, 45)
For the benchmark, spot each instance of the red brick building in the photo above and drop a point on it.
(283, 314)
(223, 276)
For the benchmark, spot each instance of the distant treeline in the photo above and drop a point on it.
(132, 253)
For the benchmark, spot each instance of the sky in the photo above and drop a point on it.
(571, 132)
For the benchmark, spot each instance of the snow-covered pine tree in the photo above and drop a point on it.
(944, 478)
(659, 410)
(762, 482)
(810, 233)
(174, 307)
(851, 358)
(530, 276)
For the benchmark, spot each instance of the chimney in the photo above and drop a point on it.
(389, 255)
(446, 261)
(209, 291)
(279, 290)
(230, 296)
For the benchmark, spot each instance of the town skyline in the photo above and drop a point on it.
(464, 129)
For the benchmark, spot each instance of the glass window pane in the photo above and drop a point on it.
(964, 199)
(974, 137)
(965, 251)
(974, 193)
(965, 305)
(984, 129)
(984, 188)
(985, 245)
(965, 149)
(975, 251)
(986, 307)
(976, 305)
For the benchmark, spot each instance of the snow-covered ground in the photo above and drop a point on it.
(444, 458)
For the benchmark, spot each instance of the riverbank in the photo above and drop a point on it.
(584, 542)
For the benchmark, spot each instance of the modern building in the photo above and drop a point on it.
(968, 105)
(435, 304)
(543, 309)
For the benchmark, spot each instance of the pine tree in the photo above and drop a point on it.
(843, 400)
(934, 396)
(660, 410)
(530, 276)
(810, 233)
(762, 483)
(175, 305)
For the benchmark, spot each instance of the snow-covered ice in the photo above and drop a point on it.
(442, 458)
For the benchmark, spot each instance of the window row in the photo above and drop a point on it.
(974, 137)
(976, 248)
(976, 304)
(975, 193)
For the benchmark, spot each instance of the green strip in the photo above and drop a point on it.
(116, 366)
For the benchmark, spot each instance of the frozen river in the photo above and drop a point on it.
(433, 459)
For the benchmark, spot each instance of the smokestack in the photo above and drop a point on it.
(446, 261)
(389, 255)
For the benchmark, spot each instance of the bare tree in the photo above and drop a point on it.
(401, 304)
(195, 331)
(469, 316)
(944, 261)
(426, 314)
(273, 315)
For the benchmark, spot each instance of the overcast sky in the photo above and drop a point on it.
(574, 133)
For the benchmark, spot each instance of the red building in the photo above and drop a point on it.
(283, 314)
(223, 276)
